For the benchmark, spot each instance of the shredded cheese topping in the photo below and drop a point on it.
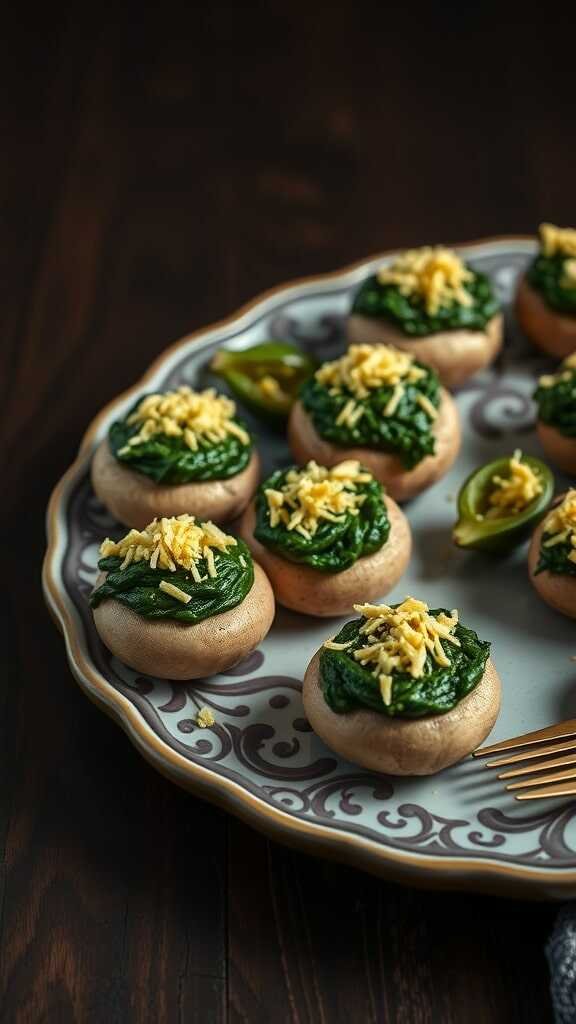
(400, 639)
(366, 367)
(557, 241)
(198, 417)
(548, 380)
(560, 523)
(512, 494)
(363, 369)
(205, 718)
(433, 274)
(178, 542)
(316, 493)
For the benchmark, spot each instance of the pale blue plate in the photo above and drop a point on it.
(261, 761)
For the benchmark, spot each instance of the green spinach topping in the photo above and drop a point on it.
(137, 586)
(555, 558)
(167, 458)
(334, 546)
(407, 433)
(545, 274)
(408, 313)
(557, 401)
(347, 685)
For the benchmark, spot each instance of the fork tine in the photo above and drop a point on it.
(551, 732)
(527, 755)
(556, 762)
(563, 789)
(543, 780)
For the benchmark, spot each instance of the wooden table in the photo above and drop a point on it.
(156, 173)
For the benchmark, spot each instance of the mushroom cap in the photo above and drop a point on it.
(135, 499)
(553, 332)
(455, 354)
(401, 483)
(176, 650)
(404, 746)
(313, 592)
(556, 589)
(561, 450)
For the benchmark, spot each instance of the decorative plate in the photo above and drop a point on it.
(261, 760)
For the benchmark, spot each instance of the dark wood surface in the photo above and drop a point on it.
(157, 171)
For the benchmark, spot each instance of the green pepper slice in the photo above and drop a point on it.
(265, 377)
(502, 533)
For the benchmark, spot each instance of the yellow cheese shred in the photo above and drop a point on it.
(270, 387)
(394, 401)
(557, 241)
(434, 274)
(400, 639)
(313, 494)
(173, 591)
(425, 403)
(560, 524)
(512, 494)
(205, 718)
(569, 277)
(178, 542)
(198, 417)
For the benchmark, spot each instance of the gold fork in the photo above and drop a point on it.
(555, 783)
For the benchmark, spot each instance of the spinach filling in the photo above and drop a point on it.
(347, 685)
(169, 460)
(137, 586)
(557, 404)
(545, 275)
(555, 559)
(407, 433)
(335, 546)
(408, 313)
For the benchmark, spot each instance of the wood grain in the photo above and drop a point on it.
(159, 169)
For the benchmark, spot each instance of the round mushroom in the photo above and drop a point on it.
(401, 483)
(454, 354)
(556, 589)
(560, 449)
(307, 590)
(176, 650)
(396, 746)
(549, 330)
(135, 499)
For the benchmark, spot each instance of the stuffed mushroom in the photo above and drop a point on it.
(379, 406)
(429, 302)
(546, 297)
(180, 451)
(180, 599)
(552, 556)
(403, 690)
(326, 537)
(555, 397)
